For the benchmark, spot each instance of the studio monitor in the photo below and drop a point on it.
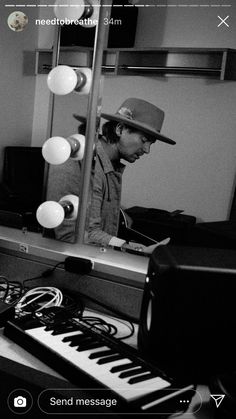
(188, 313)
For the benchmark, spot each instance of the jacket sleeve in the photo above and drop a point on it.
(96, 234)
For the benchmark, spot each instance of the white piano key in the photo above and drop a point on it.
(130, 391)
(102, 372)
(63, 335)
(55, 341)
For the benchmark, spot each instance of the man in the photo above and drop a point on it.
(128, 135)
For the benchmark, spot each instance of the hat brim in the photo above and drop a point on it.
(83, 119)
(140, 126)
(79, 118)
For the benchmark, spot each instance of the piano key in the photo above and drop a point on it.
(54, 342)
(156, 381)
(89, 345)
(121, 386)
(101, 373)
(79, 337)
(76, 344)
(134, 391)
(134, 371)
(59, 330)
(109, 359)
(81, 343)
(102, 353)
(123, 367)
(140, 378)
(60, 336)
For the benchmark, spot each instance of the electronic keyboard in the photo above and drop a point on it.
(84, 353)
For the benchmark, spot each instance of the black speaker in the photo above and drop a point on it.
(122, 28)
(188, 315)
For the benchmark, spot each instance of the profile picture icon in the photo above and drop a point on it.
(17, 21)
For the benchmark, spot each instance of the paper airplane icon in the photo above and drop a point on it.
(217, 398)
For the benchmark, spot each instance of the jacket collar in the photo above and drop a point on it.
(106, 162)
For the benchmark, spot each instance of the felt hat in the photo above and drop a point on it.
(143, 116)
(83, 119)
(80, 118)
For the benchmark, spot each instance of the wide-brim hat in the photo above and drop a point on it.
(143, 116)
(83, 119)
(80, 118)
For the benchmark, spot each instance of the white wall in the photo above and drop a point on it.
(16, 89)
(186, 26)
(196, 175)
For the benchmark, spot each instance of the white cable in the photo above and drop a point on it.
(39, 293)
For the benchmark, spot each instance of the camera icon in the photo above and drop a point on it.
(19, 401)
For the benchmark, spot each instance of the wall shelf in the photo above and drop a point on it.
(72, 56)
(202, 62)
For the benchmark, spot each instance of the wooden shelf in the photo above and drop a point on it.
(74, 57)
(202, 62)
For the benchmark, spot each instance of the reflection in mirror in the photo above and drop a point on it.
(122, 137)
(61, 81)
(21, 163)
(27, 105)
(127, 135)
(196, 176)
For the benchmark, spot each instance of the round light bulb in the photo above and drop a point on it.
(62, 80)
(85, 85)
(56, 150)
(74, 200)
(69, 9)
(78, 155)
(50, 214)
(90, 21)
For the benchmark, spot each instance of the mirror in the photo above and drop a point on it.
(21, 167)
(197, 174)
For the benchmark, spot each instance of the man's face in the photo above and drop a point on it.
(132, 145)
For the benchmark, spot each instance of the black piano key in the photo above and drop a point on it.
(49, 328)
(60, 330)
(123, 367)
(77, 338)
(89, 345)
(132, 372)
(79, 343)
(108, 359)
(141, 378)
(100, 354)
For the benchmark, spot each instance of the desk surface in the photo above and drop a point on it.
(11, 351)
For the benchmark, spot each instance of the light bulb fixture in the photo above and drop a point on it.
(77, 144)
(50, 214)
(63, 79)
(57, 150)
(91, 14)
(84, 80)
(70, 205)
(70, 10)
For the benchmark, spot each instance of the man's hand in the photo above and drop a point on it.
(149, 249)
(137, 248)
